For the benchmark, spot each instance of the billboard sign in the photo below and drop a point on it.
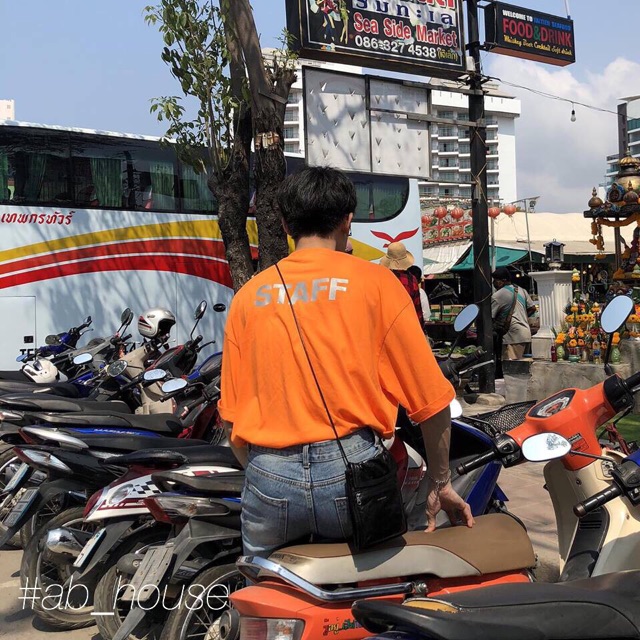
(411, 36)
(532, 35)
(362, 123)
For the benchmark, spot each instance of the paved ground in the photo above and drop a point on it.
(527, 499)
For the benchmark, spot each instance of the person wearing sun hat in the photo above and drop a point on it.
(399, 259)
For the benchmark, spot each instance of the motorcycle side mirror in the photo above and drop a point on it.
(219, 307)
(127, 316)
(545, 446)
(52, 340)
(463, 321)
(612, 318)
(466, 318)
(21, 358)
(88, 320)
(201, 308)
(83, 358)
(456, 409)
(616, 313)
(117, 368)
(175, 384)
(153, 375)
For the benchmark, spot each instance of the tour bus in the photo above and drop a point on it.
(92, 222)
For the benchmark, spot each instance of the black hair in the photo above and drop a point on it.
(416, 271)
(502, 273)
(315, 201)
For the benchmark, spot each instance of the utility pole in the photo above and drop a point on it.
(482, 269)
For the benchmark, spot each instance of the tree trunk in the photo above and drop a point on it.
(233, 195)
(232, 187)
(268, 100)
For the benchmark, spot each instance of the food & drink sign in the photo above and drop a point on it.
(528, 34)
(413, 36)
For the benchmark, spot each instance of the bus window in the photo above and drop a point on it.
(35, 168)
(196, 195)
(99, 171)
(152, 176)
(129, 174)
(379, 197)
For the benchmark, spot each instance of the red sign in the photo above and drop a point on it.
(438, 231)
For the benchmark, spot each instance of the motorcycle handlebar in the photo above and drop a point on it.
(595, 501)
(633, 381)
(450, 368)
(478, 462)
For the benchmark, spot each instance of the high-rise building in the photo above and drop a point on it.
(628, 136)
(450, 180)
(7, 109)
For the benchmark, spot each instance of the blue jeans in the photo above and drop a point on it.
(292, 493)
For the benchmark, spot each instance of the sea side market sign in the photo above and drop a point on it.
(414, 36)
(524, 33)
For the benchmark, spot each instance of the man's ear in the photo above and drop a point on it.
(284, 226)
(347, 223)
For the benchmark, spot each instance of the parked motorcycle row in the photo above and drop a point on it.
(129, 515)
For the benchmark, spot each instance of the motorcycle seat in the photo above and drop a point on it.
(213, 484)
(49, 402)
(497, 543)
(64, 389)
(16, 376)
(207, 454)
(607, 606)
(117, 442)
(157, 423)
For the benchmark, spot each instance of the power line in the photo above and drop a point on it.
(551, 96)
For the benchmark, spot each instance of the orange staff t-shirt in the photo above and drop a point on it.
(363, 338)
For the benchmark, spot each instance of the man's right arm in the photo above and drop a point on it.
(436, 433)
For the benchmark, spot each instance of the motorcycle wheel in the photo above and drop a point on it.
(198, 616)
(106, 593)
(43, 515)
(48, 571)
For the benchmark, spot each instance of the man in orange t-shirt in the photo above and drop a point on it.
(369, 355)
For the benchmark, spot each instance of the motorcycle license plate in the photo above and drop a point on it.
(17, 478)
(20, 507)
(89, 548)
(149, 574)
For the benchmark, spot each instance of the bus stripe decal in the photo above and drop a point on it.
(209, 269)
(201, 229)
(195, 246)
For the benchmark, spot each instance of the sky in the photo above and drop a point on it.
(96, 64)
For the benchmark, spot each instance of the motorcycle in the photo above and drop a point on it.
(55, 349)
(163, 566)
(28, 496)
(594, 608)
(101, 349)
(116, 515)
(305, 589)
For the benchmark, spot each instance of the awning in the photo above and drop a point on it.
(442, 257)
(504, 257)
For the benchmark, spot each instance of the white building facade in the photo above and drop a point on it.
(450, 179)
(7, 109)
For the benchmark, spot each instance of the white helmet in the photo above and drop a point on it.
(41, 371)
(156, 322)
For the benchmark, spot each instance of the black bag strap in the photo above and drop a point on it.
(507, 320)
(313, 372)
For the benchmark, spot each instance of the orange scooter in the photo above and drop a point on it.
(305, 592)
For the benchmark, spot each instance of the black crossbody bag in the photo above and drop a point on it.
(372, 490)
